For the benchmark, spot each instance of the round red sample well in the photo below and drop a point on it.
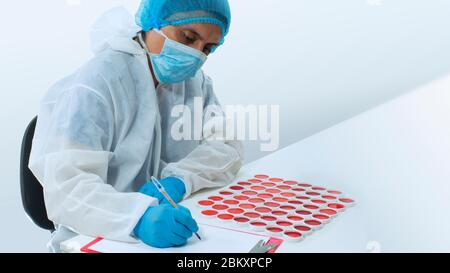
(293, 234)
(209, 212)
(313, 222)
(220, 207)
(205, 202)
(302, 228)
(336, 206)
(237, 188)
(274, 229)
(235, 211)
(247, 206)
(263, 209)
(241, 197)
(231, 202)
(225, 216)
(215, 198)
(241, 219)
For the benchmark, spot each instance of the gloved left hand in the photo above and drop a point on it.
(174, 187)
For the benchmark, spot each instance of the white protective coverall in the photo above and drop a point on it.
(103, 131)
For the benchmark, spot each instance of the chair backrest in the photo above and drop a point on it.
(31, 189)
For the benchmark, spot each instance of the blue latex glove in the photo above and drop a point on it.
(165, 226)
(173, 185)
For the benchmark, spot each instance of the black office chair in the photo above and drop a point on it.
(31, 189)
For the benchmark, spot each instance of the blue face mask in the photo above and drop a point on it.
(176, 62)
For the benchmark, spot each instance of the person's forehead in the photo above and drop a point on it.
(210, 32)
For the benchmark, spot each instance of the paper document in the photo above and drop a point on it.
(214, 239)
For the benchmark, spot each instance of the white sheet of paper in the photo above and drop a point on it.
(214, 239)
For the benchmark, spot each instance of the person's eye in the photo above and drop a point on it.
(188, 39)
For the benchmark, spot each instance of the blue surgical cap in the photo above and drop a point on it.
(155, 14)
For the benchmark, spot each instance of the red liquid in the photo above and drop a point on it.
(302, 228)
(274, 229)
(336, 206)
(237, 188)
(287, 194)
(298, 189)
(256, 200)
(284, 187)
(215, 198)
(310, 207)
(205, 202)
(280, 199)
(268, 184)
(276, 179)
(265, 195)
(318, 188)
(209, 212)
(284, 223)
(247, 206)
(263, 209)
(334, 192)
(271, 204)
(273, 190)
(257, 188)
(220, 207)
(241, 197)
(328, 211)
(261, 176)
(225, 216)
(293, 234)
(254, 180)
(231, 202)
(313, 222)
(249, 192)
(290, 182)
(268, 218)
(305, 185)
(318, 201)
(236, 211)
(295, 218)
(321, 216)
(312, 193)
(295, 202)
(346, 200)
(302, 197)
(241, 219)
(258, 224)
(329, 197)
(279, 212)
(252, 214)
(303, 212)
(244, 183)
(287, 207)
(226, 193)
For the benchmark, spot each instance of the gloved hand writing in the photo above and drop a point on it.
(173, 185)
(165, 226)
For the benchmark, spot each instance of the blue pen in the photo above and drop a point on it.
(161, 189)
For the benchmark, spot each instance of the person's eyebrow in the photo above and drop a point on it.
(199, 36)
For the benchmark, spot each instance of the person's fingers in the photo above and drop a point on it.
(175, 239)
(185, 209)
(186, 219)
(181, 230)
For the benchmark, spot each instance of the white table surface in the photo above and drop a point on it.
(394, 160)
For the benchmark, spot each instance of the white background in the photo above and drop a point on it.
(321, 61)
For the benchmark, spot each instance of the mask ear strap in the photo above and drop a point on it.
(141, 41)
(159, 31)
